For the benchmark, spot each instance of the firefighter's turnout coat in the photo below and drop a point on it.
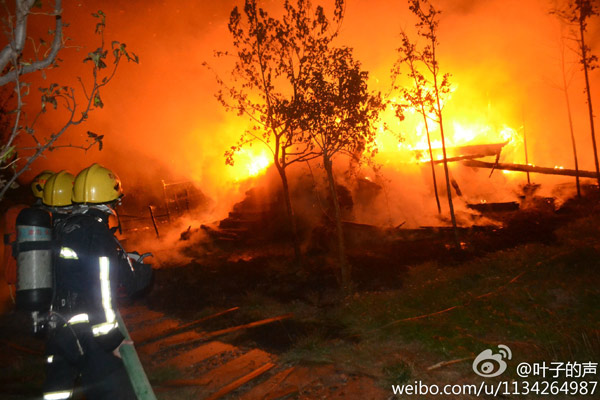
(88, 266)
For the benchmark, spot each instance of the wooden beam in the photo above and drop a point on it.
(461, 152)
(529, 168)
(271, 388)
(241, 381)
(215, 379)
(183, 327)
(197, 354)
(458, 158)
(208, 335)
(241, 327)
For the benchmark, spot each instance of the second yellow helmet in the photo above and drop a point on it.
(95, 185)
(58, 189)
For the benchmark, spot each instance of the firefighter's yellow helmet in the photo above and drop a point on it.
(38, 183)
(96, 185)
(58, 189)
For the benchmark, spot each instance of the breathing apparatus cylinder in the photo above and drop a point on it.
(34, 260)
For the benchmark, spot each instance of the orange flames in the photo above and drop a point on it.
(251, 162)
(406, 141)
(161, 120)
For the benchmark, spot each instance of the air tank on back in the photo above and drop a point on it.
(34, 260)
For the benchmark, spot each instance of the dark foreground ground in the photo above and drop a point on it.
(421, 310)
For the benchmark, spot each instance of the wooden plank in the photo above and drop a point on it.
(270, 386)
(452, 153)
(233, 370)
(153, 347)
(530, 168)
(293, 382)
(241, 381)
(209, 335)
(250, 325)
(221, 332)
(494, 207)
(217, 378)
(186, 326)
(147, 332)
(209, 317)
(456, 158)
(198, 354)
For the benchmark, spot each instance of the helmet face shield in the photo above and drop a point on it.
(96, 185)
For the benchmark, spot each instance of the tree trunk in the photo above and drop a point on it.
(525, 151)
(343, 263)
(434, 71)
(448, 186)
(437, 197)
(568, 103)
(446, 171)
(589, 97)
(289, 211)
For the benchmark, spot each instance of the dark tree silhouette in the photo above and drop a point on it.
(565, 89)
(429, 100)
(418, 96)
(339, 113)
(577, 14)
(273, 59)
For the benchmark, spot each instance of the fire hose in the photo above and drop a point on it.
(135, 370)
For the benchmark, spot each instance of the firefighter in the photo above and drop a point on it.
(34, 247)
(85, 338)
(9, 230)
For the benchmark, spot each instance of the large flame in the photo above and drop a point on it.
(406, 141)
(251, 162)
(161, 120)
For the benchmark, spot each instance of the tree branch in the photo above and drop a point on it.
(15, 48)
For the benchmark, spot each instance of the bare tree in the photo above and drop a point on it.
(15, 157)
(428, 20)
(273, 57)
(339, 113)
(577, 14)
(12, 52)
(565, 90)
(418, 96)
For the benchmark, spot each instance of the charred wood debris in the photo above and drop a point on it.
(254, 220)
